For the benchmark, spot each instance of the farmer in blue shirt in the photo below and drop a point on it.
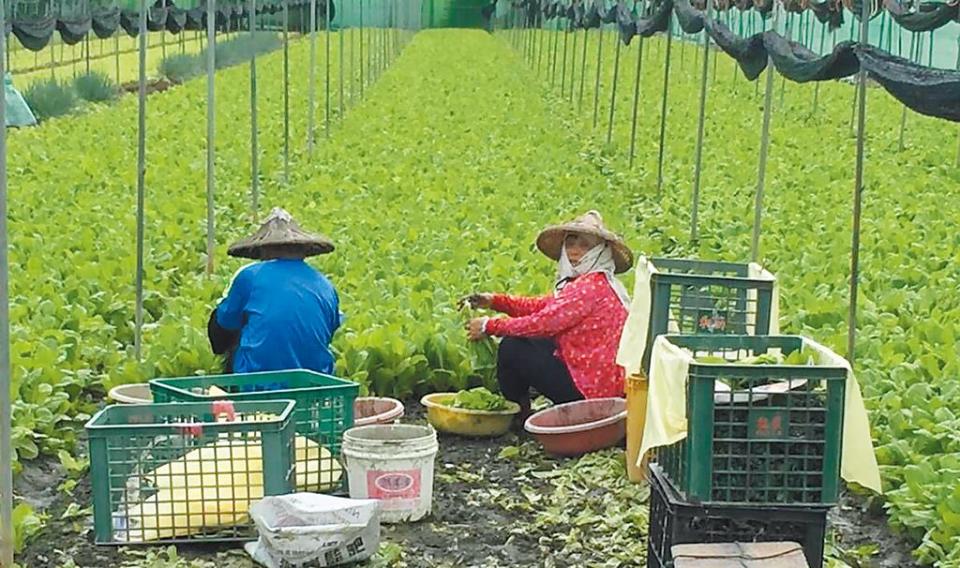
(279, 313)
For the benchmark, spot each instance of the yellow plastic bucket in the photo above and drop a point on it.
(637, 387)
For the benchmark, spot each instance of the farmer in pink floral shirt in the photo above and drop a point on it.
(563, 345)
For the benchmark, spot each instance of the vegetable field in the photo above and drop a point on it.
(433, 187)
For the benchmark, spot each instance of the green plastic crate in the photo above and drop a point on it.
(747, 446)
(323, 413)
(168, 473)
(706, 298)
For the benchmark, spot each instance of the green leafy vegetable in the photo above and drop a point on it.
(478, 399)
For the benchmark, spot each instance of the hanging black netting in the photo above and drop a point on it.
(104, 17)
(929, 91)
(690, 19)
(929, 16)
(34, 22)
(73, 20)
(829, 13)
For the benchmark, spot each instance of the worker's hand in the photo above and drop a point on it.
(483, 301)
(475, 329)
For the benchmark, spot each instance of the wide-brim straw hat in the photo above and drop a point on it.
(280, 231)
(550, 240)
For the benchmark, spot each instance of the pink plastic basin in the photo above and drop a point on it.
(580, 427)
(376, 410)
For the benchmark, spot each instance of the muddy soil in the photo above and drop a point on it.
(467, 528)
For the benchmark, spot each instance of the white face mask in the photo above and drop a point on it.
(597, 259)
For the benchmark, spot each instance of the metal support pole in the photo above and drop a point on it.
(553, 56)
(286, 92)
(783, 83)
(563, 68)
(663, 115)
(573, 63)
(764, 149)
(698, 163)
(6, 379)
(858, 190)
(211, 126)
(362, 75)
(116, 54)
(541, 36)
(341, 67)
(141, 178)
(816, 89)
(353, 77)
(163, 33)
(86, 51)
(312, 88)
(583, 68)
(254, 143)
(915, 54)
(613, 90)
(596, 90)
(636, 102)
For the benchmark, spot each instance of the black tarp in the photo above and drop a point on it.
(929, 91)
(926, 90)
(690, 19)
(928, 17)
(828, 13)
(35, 33)
(105, 21)
(658, 21)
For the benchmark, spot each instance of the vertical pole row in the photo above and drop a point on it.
(663, 115)
(312, 88)
(596, 90)
(613, 90)
(326, 33)
(211, 124)
(6, 380)
(636, 102)
(254, 144)
(764, 149)
(286, 92)
(858, 190)
(698, 163)
(141, 179)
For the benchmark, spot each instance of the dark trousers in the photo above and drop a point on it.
(524, 364)
(223, 341)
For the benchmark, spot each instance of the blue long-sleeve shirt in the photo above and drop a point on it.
(287, 313)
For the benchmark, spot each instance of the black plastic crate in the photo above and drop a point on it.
(675, 521)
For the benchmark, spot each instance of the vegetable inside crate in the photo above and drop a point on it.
(675, 521)
(166, 473)
(764, 423)
(694, 297)
(324, 411)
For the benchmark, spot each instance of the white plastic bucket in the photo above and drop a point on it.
(392, 463)
(132, 393)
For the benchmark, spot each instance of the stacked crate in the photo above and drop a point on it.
(761, 458)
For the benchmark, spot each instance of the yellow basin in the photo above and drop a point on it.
(474, 423)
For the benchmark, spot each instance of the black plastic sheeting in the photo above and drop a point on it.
(928, 91)
(929, 16)
(35, 33)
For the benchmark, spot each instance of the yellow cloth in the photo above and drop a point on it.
(859, 460)
(633, 340)
(757, 272)
(666, 421)
(213, 486)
